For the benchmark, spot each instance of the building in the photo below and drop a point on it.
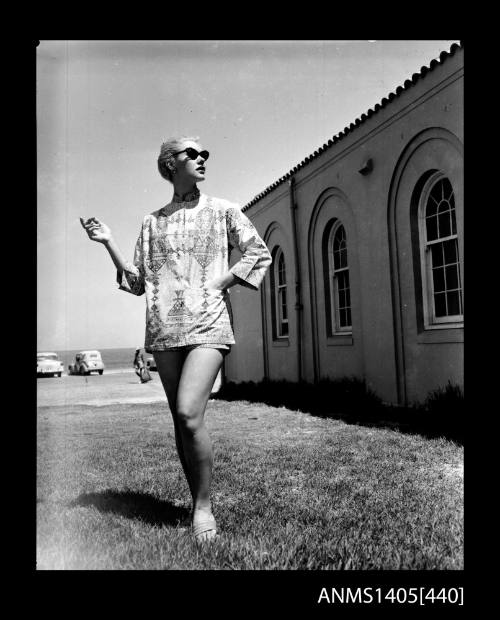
(366, 236)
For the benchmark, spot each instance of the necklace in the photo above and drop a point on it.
(189, 197)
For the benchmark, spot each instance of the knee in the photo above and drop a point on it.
(190, 419)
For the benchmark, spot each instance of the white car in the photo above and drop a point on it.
(86, 362)
(48, 364)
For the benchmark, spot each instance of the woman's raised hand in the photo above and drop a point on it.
(96, 230)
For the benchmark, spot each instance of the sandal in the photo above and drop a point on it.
(204, 530)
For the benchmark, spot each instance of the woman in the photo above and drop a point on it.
(140, 367)
(181, 264)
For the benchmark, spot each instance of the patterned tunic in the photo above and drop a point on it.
(180, 248)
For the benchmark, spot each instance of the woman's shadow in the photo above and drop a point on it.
(134, 505)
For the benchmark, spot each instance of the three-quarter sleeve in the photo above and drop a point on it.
(256, 258)
(131, 279)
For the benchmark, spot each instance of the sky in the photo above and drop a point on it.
(105, 107)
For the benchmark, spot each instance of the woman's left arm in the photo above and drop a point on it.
(251, 268)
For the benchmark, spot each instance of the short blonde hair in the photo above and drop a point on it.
(168, 148)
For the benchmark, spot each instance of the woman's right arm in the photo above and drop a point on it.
(99, 232)
(129, 276)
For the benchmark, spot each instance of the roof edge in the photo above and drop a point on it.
(416, 77)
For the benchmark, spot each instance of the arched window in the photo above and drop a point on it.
(338, 269)
(279, 288)
(443, 301)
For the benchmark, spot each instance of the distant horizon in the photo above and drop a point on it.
(59, 350)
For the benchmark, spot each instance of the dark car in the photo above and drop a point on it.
(86, 362)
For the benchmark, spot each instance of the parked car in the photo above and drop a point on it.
(151, 364)
(48, 363)
(86, 362)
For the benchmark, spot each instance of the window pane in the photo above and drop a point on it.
(282, 299)
(444, 225)
(348, 298)
(452, 277)
(281, 270)
(437, 254)
(453, 223)
(440, 304)
(447, 189)
(343, 318)
(437, 190)
(450, 251)
(346, 279)
(343, 258)
(453, 303)
(342, 303)
(348, 317)
(444, 206)
(440, 188)
(336, 260)
(284, 306)
(431, 207)
(438, 279)
(431, 223)
(339, 238)
(284, 329)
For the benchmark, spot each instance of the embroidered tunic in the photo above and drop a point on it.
(180, 248)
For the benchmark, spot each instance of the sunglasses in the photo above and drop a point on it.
(193, 153)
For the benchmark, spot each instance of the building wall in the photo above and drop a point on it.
(419, 130)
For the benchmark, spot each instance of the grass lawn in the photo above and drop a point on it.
(290, 491)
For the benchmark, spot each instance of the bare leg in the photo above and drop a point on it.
(169, 365)
(188, 381)
(197, 379)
